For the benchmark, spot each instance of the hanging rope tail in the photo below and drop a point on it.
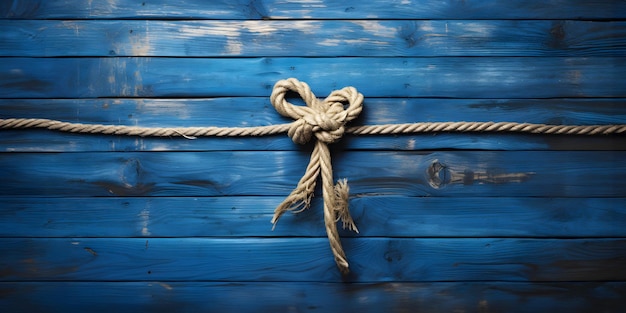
(325, 120)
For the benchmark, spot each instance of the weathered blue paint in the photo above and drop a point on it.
(314, 9)
(251, 173)
(314, 296)
(448, 222)
(249, 216)
(386, 38)
(452, 77)
(279, 259)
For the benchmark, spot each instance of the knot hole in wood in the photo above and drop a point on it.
(438, 175)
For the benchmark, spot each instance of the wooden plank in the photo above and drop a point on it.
(454, 173)
(310, 259)
(317, 297)
(46, 141)
(258, 112)
(450, 77)
(314, 9)
(36, 38)
(377, 216)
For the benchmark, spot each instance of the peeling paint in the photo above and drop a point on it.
(140, 41)
(377, 28)
(362, 41)
(144, 216)
(233, 46)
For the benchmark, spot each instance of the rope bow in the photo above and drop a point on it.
(326, 121)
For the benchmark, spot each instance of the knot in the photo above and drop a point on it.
(325, 119)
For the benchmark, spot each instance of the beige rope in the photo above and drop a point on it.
(189, 132)
(491, 127)
(324, 121)
(386, 129)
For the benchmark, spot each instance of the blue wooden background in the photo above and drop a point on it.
(449, 222)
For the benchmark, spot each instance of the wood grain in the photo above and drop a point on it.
(48, 141)
(376, 216)
(400, 38)
(310, 259)
(258, 111)
(154, 296)
(322, 9)
(451, 77)
(247, 111)
(449, 174)
(511, 223)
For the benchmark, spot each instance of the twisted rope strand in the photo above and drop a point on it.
(144, 131)
(487, 127)
(255, 131)
(300, 198)
(323, 121)
(330, 214)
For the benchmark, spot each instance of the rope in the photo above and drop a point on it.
(386, 129)
(188, 132)
(324, 121)
(492, 127)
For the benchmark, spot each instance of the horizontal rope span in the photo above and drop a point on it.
(323, 121)
(487, 127)
(122, 130)
(384, 129)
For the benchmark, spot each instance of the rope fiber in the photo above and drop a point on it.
(323, 121)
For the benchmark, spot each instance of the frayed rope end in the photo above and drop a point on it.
(298, 201)
(342, 194)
